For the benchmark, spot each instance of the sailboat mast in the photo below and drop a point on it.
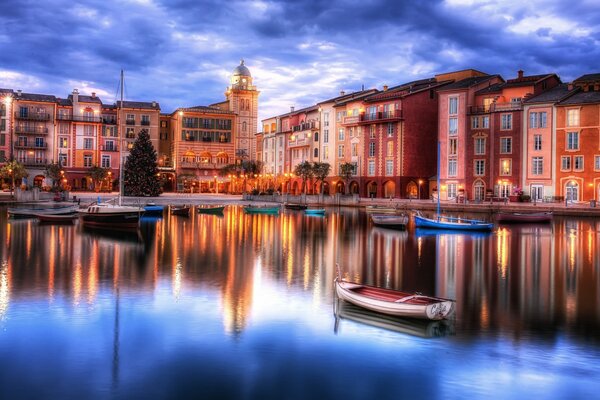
(121, 164)
(439, 189)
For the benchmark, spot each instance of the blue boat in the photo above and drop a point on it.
(153, 209)
(314, 211)
(261, 210)
(450, 223)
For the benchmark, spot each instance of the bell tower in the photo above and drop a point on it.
(242, 97)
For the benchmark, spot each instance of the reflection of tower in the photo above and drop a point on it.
(243, 100)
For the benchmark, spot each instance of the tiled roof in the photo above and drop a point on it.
(355, 96)
(495, 88)
(139, 104)
(582, 98)
(349, 96)
(552, 95)
(64, 102)
(468, 82)
(305, 110)
(6, 91)
(526, 80)
(210, 109)
(407, 89)
(86, 99)
(588, 78)
(35, 97)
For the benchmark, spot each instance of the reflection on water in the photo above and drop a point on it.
(200, 281)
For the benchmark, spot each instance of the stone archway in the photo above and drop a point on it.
(295, 187)
(389, 189)
(412, 190)
(372, 189)
(354, 188)
(326, 188)
(38, 180)
(340, 187)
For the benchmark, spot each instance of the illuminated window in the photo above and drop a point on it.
(572, 117)
(505, 167)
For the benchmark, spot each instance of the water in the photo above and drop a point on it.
(242, 307)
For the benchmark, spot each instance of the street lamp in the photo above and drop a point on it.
(12, 180)
(420, 183)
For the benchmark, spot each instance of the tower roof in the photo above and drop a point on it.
(241, 69)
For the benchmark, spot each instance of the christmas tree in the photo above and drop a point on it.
(141, 170)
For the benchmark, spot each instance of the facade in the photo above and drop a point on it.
(6, 99)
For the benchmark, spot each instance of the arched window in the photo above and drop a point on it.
(316, 153)
(316, 136)
(479, 190)
(572, 191)
(244, 126)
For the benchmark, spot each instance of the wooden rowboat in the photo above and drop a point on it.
(314, 211)
(390, 221)
(210, 209)
(57, 218)
(295, 206)
(261, 210)
(393, 302)
(537, 217)
(184, 211)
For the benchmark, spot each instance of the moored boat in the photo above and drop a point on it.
(153, 209)
(390, 221)
(57, 218)
(314, 211)
(451, 223)
(261, 210)
(181, 210)
(393, 302)
(208, 209)
(295, 206)
(518, 217)
(381, 209)
(19, 212)
(111, 216)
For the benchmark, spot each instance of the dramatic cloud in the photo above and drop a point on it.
(181, 52)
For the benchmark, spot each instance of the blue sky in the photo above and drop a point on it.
(181, 52)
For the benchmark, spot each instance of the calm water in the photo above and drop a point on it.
(242, 307)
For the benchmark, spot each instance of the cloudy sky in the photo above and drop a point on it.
(181, 52)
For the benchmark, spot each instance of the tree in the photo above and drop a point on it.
(53, 171)
(13, 170)
(321, 172)
(305, 171)
(247, 169)
(98, 174)
(346, 171)
(141, 168)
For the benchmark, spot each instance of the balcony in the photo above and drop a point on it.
(495, 107)
(145, 123)
(33, 116)
(33, 162)
(109, 148)
(129, 122)
(109, 121)
(299, 143)
(33, 146)
(64, 117)
(381, 116)
(29, 130)
(200, 165)
(351, 120)
(86, 118)
(303, 127)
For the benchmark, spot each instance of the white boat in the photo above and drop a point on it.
(390, 221)
(19, 212)
(393, 302)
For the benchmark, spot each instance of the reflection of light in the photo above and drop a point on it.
(502, 251)
(77, 278)
(4, 289)
(572, 247)
(177, 277)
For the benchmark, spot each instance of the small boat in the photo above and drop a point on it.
(57, 218)
(425, 232)
(181, 210)
(261, 210)
(451, 223)
(390, 221)
(153, 209)
(393, 302)
(206, 209)
(111, 216)
(18, 212)
(295, 206)
(534, 217)
(314, 211)
(381, 209)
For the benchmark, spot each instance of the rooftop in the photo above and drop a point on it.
(552, 95)
(468, 82)
(588, 78)
(582, 98)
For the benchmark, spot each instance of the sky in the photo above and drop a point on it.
(181, 52)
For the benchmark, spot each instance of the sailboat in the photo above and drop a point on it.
(445, 222)
(113, 214)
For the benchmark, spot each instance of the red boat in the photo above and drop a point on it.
(518, 217)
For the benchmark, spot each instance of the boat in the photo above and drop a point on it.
(440, 221)
(184, 210)
(409, 326)
(19, 212)
(314, 211)
(153, 209)
(112, 215)
(533, 217)
(381, 210)
(261, 210)
(295, 206)
(393, 302)
(472, 234)
(207, 209)
(57, 218)
(390, 221)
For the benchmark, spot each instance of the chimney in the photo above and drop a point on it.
(385, 88)
(520, 74)
(19, 92)
(154, 103)
(75, 95)
(570, 86)
(342, 93)
(93, 95)
(292, 109)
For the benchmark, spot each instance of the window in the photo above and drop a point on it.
(316, 137)
(326, 119)
(453, 105)
(474, 122)
(372, 149)
(453, 147)
(487, 103)
(537, 119)
(479, 146)
(163, 124)
(572, 117)
(325, 135)
(325, 153)
(109, 145)
(130, 134)
(390, 149)
(479, 168)
(537, 192)
(88, 115)
(506, 121)
(505, 145)
(572, 191)
(390, 130)
(341, 134)
(105, 161)
(87, 160)
(452, 167)
(371, 131)
(316, 153)
(62, 159)
(537, 165)
(63, 142)
(89, 130)
(339, 115)
(354, 149)
(341, 151)
(565, 163)
(578, 163)
(452, 190)
(596, 163)
(244, 126)
(389, 167)
(453, 126)
(537, 142)
(371, 167)
(39, 142)
(88, 143)
(505, 166)
(572, 140)
(145, 120)
(485, 122)
(130, 119)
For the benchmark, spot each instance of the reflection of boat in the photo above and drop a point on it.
(393, 302)
(18, 212)
(410, 326)
(314, 211)
(180, 210)
(261, 210)
(57, 218)
(210, 209)
(451, 223)
(390, 221)
(420, 232)
(381, 210)
(533, 217)
(295, 206)
(153, 209)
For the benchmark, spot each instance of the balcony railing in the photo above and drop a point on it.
(33, 116)
(496, 107)
(129, 122)
(23, 145)
(298, 142)
(64, 117)
(109, 148)
(304, 127)
(381, 116)
(32, 161)
(29, 130)
(200, 165)
(350, 120)
(109, 121)
(86, 118)
(145, 123)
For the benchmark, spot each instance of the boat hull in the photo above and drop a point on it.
(399, 304)
(314, 211)
(127, 220)
(397, 222)
(211, 210)
(34, 212)
(57, 218)
(293, 206)
(543, 217)
(261, 210)
(153, 210)
(422, 222)
(182, 211)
